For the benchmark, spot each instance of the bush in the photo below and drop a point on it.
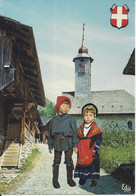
(118, 147)
(115, 137)
(111, 158)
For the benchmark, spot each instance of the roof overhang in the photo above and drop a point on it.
(83, 55)
(24, 43)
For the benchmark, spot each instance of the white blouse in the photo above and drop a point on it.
(87, 127)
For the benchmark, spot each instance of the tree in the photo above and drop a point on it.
(48, 110)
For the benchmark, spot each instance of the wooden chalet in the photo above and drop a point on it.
(130, 67)
(21, 91)
(45, 128)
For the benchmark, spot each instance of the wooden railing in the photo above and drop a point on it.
(28, 134)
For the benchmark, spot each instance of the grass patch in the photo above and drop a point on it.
(4, 185)
(29, 160)
(2, 188)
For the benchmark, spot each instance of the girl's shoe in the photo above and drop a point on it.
(82, 182)
(94, 183)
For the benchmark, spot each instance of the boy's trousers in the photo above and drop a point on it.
(69, 165)
(68, 157)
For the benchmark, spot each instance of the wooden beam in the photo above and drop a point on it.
(23, 129)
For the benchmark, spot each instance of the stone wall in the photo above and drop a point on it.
(114, 120)
(25, 150)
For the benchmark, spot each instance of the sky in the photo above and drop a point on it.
(57, 27)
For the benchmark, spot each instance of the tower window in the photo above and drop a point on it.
(82, 59)
(81, 69)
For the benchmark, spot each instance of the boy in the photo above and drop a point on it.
(90, 138)
(63, 137)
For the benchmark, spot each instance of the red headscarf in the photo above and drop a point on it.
(60, 99)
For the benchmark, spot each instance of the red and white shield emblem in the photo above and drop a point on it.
(119, 17)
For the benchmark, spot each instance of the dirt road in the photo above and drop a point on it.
(38, 180)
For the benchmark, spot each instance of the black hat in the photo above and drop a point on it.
(90, 106)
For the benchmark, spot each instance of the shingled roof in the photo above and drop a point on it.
(108, 102)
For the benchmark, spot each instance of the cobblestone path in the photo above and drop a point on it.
(38, 181)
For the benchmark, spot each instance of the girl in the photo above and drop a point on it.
(90, 138)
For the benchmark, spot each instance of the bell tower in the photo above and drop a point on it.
(83, 70)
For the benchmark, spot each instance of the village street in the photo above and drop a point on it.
(37, 181)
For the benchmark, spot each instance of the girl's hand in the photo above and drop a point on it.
(50, 150)
(75, 150)
(94, 151)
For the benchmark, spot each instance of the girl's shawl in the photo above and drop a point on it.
(86, 145)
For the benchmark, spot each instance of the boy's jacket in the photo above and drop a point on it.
(63, 126)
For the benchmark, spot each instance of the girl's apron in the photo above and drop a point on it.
(85, 150)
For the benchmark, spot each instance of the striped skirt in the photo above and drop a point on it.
(92, 172)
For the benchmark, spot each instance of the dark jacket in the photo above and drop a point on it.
(62, 126)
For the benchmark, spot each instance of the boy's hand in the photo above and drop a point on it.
(50, 150)
(75, 149)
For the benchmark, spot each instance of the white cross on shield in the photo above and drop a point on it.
(119, 17)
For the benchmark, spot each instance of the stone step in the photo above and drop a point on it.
(12, 144)
(10, 158)
(11, 155)
(8, 171)
(9, 164)
(12, 147)
(11, 151)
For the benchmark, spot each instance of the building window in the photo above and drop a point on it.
(81, 69)
(130, 124)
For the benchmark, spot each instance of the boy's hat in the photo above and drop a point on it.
(90, 106)
(60, 99)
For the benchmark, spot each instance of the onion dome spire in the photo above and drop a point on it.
(83, 49)
(83, 40)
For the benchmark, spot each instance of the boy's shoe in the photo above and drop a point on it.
(82, 182)
(94, 183)
(71, 182)
(56, 184)
(55, 177)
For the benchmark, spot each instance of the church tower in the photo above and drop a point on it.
(83, 71)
